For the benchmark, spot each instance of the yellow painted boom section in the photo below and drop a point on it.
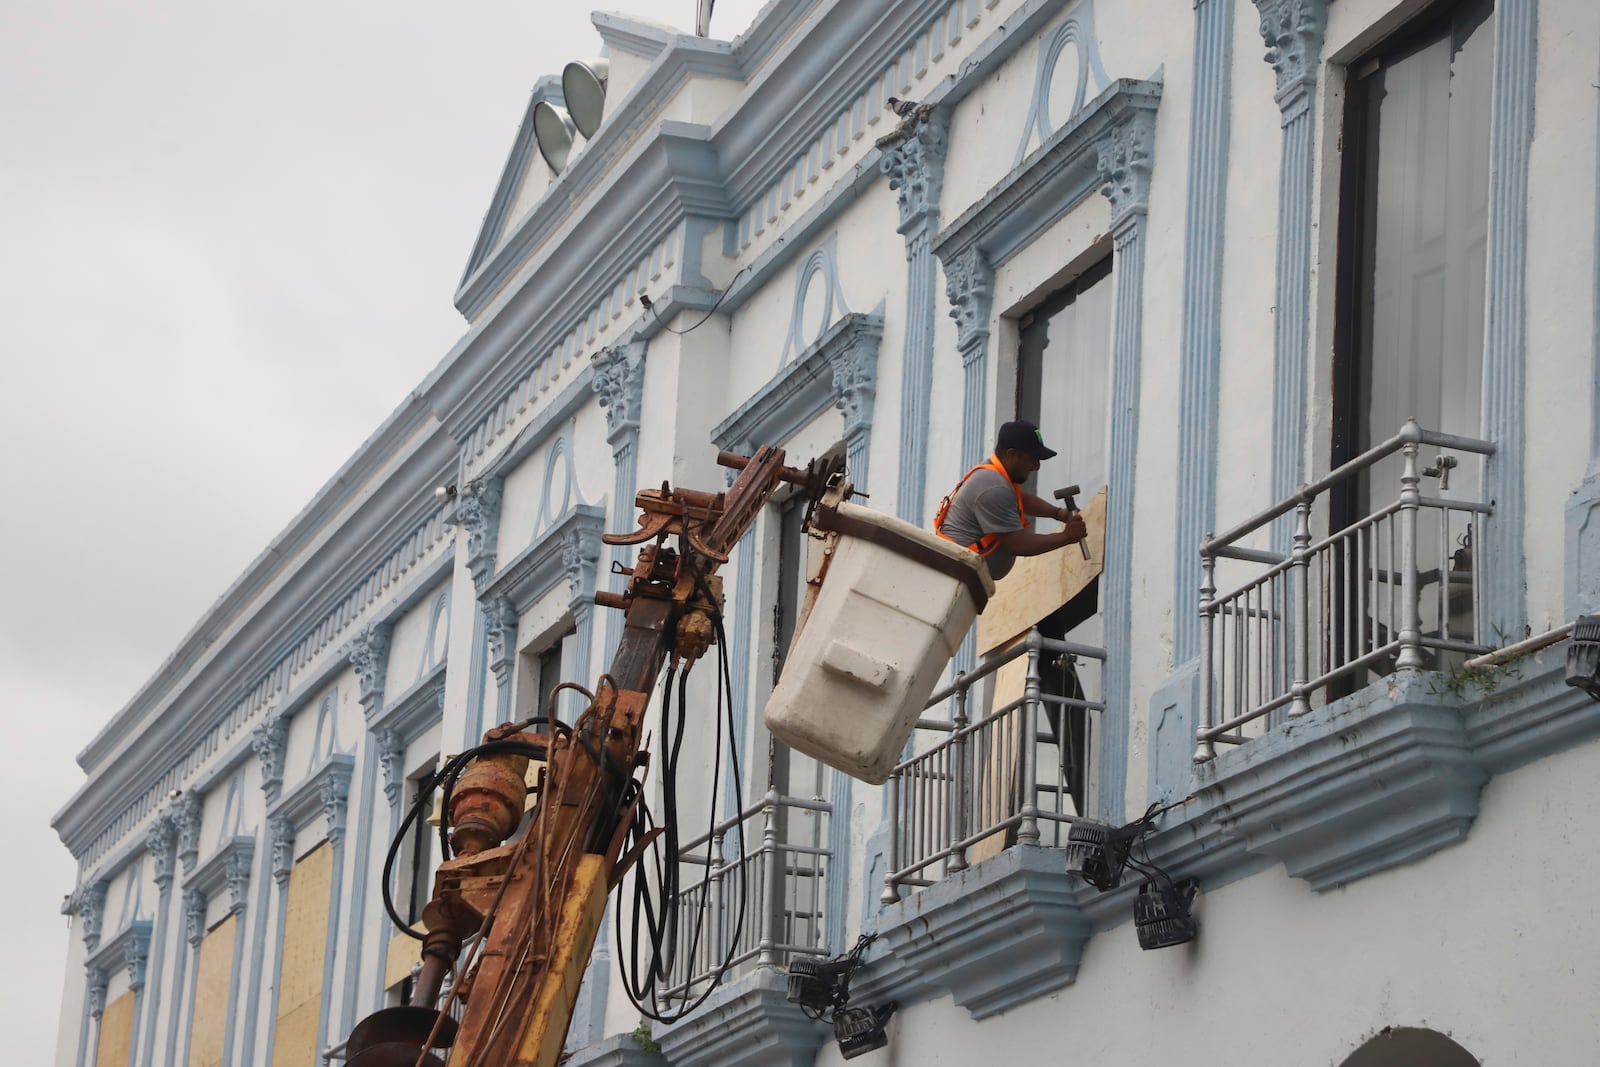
(582, 912)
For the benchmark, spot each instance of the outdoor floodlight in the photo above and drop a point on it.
(1161, 912)
(1583, 655)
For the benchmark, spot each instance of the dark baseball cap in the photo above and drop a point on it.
(1025, 438)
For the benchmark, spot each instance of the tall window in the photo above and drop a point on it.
(1064, 387)
(539, 674)
(1064, 380)
(1413, 235)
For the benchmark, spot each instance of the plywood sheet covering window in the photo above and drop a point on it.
(116, 1032)
(213, 987)
(305, 939)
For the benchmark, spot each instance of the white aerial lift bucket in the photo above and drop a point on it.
(885, 615)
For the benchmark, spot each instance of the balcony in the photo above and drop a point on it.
(1399, 589)
(1004, 778)
(780, 880)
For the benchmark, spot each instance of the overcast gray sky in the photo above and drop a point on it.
(229, 234)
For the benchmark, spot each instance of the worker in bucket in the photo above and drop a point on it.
(988, 510)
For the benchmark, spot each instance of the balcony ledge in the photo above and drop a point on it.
(621, 1050)
(993, 936)
(747, 1023)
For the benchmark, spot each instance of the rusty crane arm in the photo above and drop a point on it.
(535, 898)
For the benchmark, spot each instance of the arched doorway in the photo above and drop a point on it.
(1405, 1046)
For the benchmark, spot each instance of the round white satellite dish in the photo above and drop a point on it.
(553, 130)
(583, 84)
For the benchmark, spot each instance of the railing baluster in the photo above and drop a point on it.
(960, 796)
(1206, 748)
(1028, 827)
(891, 862)
(1299, 703)
(1410, 656)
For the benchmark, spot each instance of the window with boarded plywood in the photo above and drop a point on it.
(116, 1032)
(305, 940)
(213, 991)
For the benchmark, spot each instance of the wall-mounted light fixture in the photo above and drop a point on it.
(553, 129)
(583, 88)
(822, 989)
(1583, 655)
(1098, 853)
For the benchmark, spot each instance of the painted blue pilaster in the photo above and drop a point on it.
(369, 655)
(1292, 30)
(580, 555)
(1125, 164)
(250, 1009)
(161, 840)
(187, 975)
(478, 513)
(969, 283)
(1583, 509)
(1505, 343)
(94, 1007)
(500, 633)
(1173, 710)
(364, 859)
(744, 592)
(619, 381)
(282, 852)
(391, 753)
(137, 957)
(239, 875)
(915, 168)
(1200, 352)
(335, 795)
(186, 826)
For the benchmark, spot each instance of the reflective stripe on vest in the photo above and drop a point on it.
(985, 545)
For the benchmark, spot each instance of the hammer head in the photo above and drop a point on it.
(1066, 495)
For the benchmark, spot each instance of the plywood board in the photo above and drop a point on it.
(116, 1032)
(1037, 585)
(305, 940)
(403, 954)
(213, 984)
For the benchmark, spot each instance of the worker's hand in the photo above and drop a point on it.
(1073, 526)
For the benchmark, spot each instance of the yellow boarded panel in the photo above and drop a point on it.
(213, 985)
(404, 953)
(997, 783)
(116, 1032)
(1038, 585)
(305, 939)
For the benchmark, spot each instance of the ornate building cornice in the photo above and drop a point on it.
(391, 748)
(619, 382)
(1124, 155)
(368, 653)
(969, 283)
(186, 820)
(194, 916)
(914, 165)
(91, 912)
(478, 513)
(161, 841)
(270, 742)
(1292, 31)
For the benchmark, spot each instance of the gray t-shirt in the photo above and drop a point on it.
(985, 504)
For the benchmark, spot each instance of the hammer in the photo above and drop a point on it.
(1066, 497)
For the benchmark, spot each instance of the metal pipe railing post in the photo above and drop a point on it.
(715, 875)
(1028, 825)
(1410, 654)
(1207, 748)
(772, 881)
(959, 798)
(1300, 698)
(891, 862)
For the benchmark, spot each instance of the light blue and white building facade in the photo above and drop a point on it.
(1311, 287)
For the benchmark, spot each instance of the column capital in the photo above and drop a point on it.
(914, 165)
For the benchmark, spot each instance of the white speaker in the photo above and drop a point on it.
(583, 84)
(553, 130)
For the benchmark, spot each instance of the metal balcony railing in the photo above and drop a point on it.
(781, 879)
(992, 782)
(1396, 590)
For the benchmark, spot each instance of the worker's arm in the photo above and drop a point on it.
(1040, 508)
(1023, 543)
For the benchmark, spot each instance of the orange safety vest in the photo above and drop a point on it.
(985, 545)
